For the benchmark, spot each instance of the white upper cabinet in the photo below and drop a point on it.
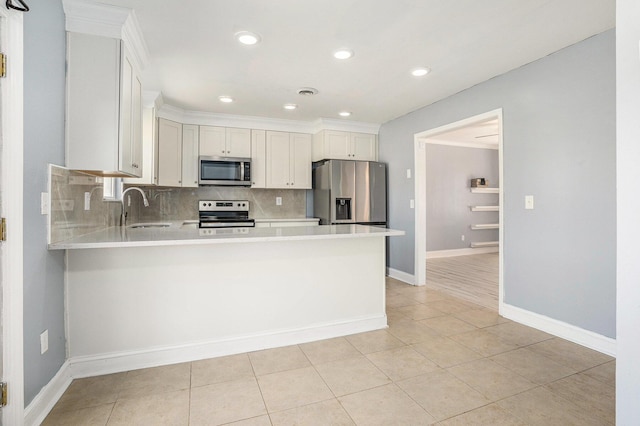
(258, 159)
(189, 155)
(169, 153)
(288, 164)
(339, 145)
(149, 150)
(225, 142)
(104, 107)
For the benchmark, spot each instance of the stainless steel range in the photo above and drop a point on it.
(225, 214)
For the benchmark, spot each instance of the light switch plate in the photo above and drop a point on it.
(412, 204)
(408, 173)
(278, 201)
(44, 342)
(44, 203)
(528, 202)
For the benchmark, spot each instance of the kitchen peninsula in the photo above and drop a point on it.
(139, 297)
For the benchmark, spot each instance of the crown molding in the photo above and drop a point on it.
(107, 21)
(173, 113)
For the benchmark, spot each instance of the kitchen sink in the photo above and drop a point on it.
(149, 225)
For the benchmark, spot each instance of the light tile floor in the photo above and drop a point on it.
(442, 361)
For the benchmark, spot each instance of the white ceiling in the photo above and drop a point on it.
(195, 58)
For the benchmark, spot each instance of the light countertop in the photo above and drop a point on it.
(188, 233)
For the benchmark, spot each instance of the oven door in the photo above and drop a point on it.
(224, 171)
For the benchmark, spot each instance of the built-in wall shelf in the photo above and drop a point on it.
(485, 208)
(484, 190)
(481, 226)
(485, 244)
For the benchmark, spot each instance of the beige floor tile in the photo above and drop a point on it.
(412, 332)
(278, 359)
(442, 394)
(605, 373)
(448, 325)
(398, 300)
(320, 414)
(483, 342)
(446, 352)
(492, 380)
(589, 394)
(570, 354)
(169, 408)
(90, 392)
(156, 380)
(533, 366)
(518, 334)
(386, 405)
(351, 375)
(420, 312)
(91, 416)
(223, 369)
(488, 415)
(394, 316)
(481, 317)
(293, 388)
(226, 402)
(402, 363)
(429, 295)
(451, 306)
(374, 341)
(254, 421)
(329, 350)
(541, 407)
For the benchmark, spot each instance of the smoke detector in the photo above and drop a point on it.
(307, 91)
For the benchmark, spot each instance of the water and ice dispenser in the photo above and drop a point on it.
(343, 208)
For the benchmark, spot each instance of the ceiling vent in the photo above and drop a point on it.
(307, 91)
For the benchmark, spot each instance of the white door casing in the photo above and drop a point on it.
(11, 185)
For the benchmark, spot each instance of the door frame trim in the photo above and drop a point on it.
(12, 208)
(420, 244)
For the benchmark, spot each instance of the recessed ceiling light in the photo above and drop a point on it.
(343, 54)
(247, 37)
(225, 99)
(420, 72)
(290, 106)
(344, 113)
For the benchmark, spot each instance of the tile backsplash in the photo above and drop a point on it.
(182, 203)
(70, 219)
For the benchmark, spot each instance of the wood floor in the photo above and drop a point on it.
(473, 278)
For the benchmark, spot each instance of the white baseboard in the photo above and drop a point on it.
(561, 329)
(402, 276)
(88, 366)
(43, 403)
(435, 254)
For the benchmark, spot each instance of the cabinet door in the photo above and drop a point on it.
(300, 163)
(169, 153)
(278, 160)
(136, 124)
(189, 155)
(238, 142)
(213, 141)
(125, 148)
(258, 159)
(337, 145)
(363, 146)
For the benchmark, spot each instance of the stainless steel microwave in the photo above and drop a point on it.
(224, 171)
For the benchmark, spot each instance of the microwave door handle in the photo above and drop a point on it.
(242, 171)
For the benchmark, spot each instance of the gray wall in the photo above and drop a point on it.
(449, 170)
(44, 87)
(559, 145)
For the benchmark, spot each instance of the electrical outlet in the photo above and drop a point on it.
(412, 204)
(44, 342)
(528, 202)
(44, 203)
(278, 201)
(462, 237)
(408, 173)
(87, 201)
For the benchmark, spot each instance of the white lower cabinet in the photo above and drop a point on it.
(288, 160)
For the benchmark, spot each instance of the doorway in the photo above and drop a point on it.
(452, 134)
(11, 183)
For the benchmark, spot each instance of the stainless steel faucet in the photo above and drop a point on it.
(123, 216)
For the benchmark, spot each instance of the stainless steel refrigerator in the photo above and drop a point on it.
(347, 191)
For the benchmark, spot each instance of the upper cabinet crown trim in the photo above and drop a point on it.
(171, 112)
(107, 21)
